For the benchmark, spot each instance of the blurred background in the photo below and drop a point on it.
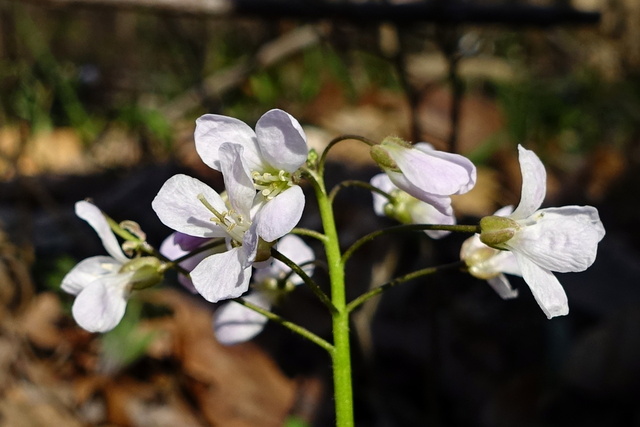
(98, 100)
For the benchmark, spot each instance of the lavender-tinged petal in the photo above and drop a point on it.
(281, 214)
(424, 213)
(503, 288)
(282, 141)
(439, 174)
(383, 182)
(87, 271)
(178, 207)
(443, 204)
(93, 215)
(457, 159)
(100, 306)
(222, 276)
(213, 130)
(534, 184)
(545, 287)
(294, 248)
(234, 323)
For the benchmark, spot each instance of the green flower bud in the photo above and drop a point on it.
(380, 155)
(497, 230)
(264, 250)
(148, 271)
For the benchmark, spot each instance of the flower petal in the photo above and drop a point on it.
(441, 203)
(222, 276)
(383, 182)
(433, 172)
(87, 271)
(234, 323)
(294, 248)
(561, 239)
(424, 213)
(178, 207)
(281, 214)
(237, 178)
(545, 287)
(534, 184)
(213, 130)
(282, 141)
(99, 307)
(503, 288)
(94, 216)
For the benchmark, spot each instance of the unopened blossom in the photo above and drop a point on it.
(425, 173)
(271, 157)
(234, 323)
(191, 207)
(546, 240)
(407, 209)
(490, 264)
(102, 284)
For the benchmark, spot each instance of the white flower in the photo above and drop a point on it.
(407, 209)
(426, 174)
(191, 207)
(102, 284)
(547, 240)
(271, 157)
(234, 323)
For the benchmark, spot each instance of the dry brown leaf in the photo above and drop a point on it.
(39, 320)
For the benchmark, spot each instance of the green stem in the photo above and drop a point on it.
(334, 141)
(309, 233)
(305, 278)
(407, 227)
(341, 355)
(287, 324)
(410, 276)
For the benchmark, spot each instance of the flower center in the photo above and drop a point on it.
(270, 185)
(234, 224)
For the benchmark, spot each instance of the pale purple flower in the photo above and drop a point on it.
(271, 157)
(546, 240)
(234, 323)
(425, 173)
(407, 209)
(102, 284)
(191, 207)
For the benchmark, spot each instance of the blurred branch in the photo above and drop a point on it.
(445, 12)
(270, 53)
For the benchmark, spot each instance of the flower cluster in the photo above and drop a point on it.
(223, 242)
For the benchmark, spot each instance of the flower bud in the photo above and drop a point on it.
(148, 271)
(497, 230)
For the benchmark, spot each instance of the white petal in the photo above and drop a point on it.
(294, 248)
(213, 130)
(435, 173)
(424, 213)
(281, 214)
(88, 271)
(504, 211)
(237, 179)
(534, 184)
(383, 182)
(233, 323)
(90, 213)
(178, 207)
(562, 239)
(99, 307)
(222, 276)
(545, 287)
(501, 285)
(282, 141)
